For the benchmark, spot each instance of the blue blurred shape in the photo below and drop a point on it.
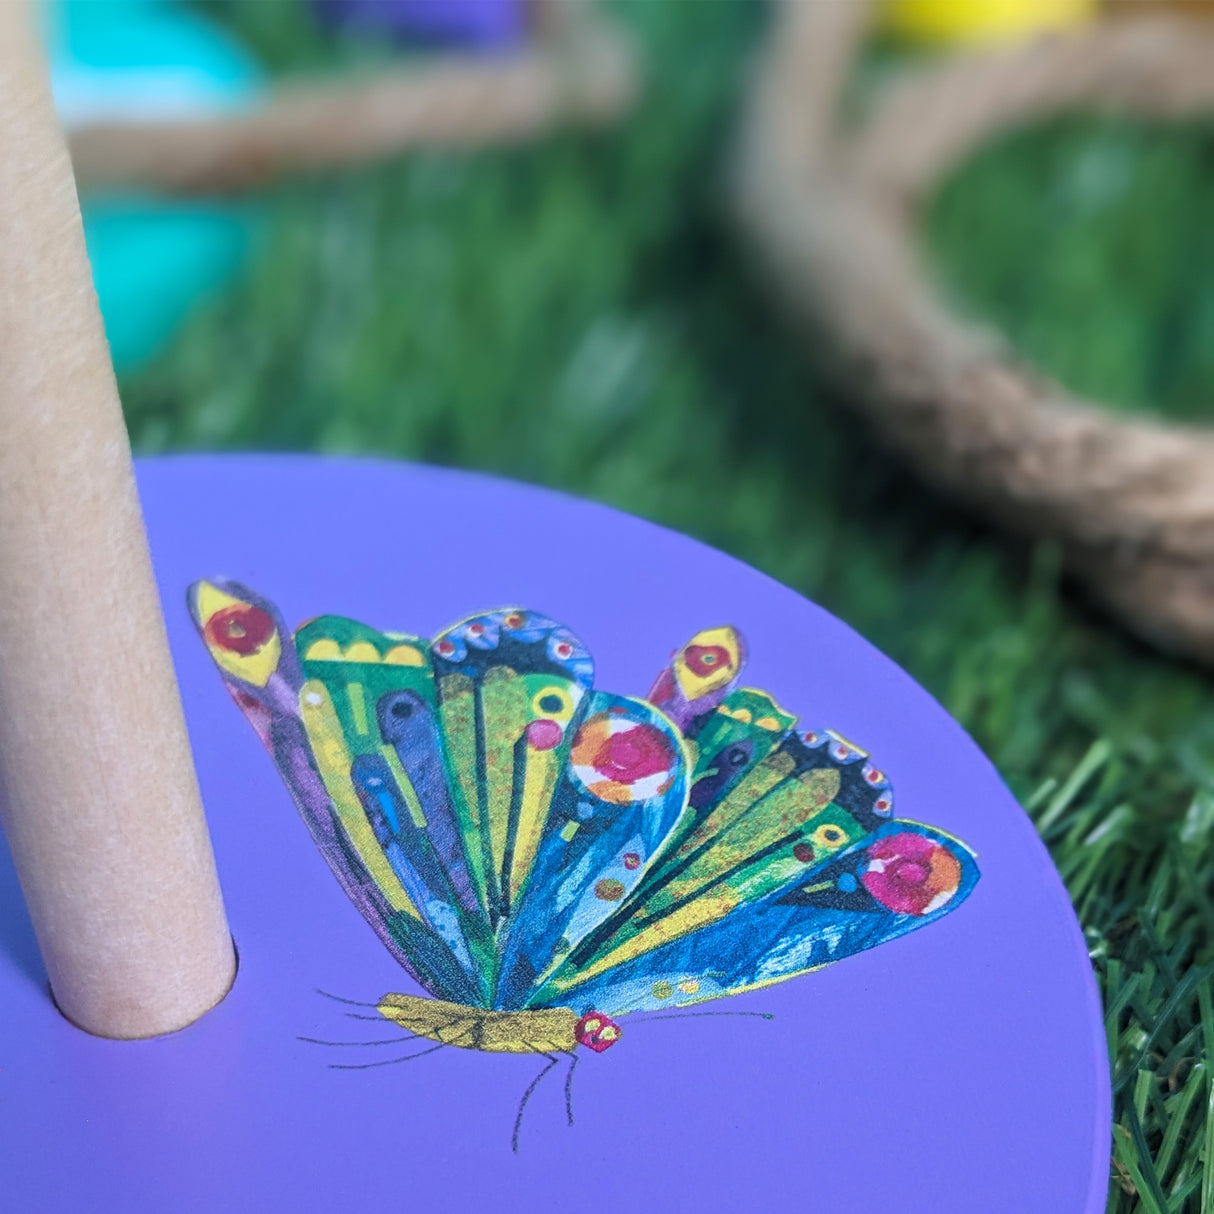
(154, 261)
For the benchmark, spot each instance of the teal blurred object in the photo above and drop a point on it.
(154, 261)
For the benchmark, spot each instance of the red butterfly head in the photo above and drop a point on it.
(597, 1032)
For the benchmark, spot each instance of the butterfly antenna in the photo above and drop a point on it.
(342, 999)
(573, 1061)
(643, 1019)
(385, 1041)
(522, 1104)
(366, 1066)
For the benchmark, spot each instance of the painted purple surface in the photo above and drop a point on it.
(960, 1068)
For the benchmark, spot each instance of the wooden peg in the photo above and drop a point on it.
(100, 800)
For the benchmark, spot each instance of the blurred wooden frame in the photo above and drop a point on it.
(830, 210)
(578, 68)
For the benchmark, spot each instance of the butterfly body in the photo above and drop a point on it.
(557, 1030)
(542, 856)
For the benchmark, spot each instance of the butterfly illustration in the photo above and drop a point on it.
(545, 858)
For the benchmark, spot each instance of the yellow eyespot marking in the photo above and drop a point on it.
(553, 703)
(769, 723)
(324, 650)
(607, 1034)
(689, 986)
(593, 1026)
(404, 655)
(829, 836)
(241, 637)
(662, 990)
(707, 662)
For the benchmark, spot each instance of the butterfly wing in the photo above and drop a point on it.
(699, 677)
(793, 807)
(729, 743)
(619, 798)
(520, 841)
(368, 705)
(901, 877)
(511, 686)
(323, 707)
(775, 870)
(622, 803)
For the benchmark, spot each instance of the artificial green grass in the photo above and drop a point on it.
(1096, 255)
(576, 314)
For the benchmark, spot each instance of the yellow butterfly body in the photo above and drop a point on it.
(540, 1031)
(471, 1028)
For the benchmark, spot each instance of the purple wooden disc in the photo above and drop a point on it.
(959, 1068)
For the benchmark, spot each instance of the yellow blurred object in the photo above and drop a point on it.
(972, 21)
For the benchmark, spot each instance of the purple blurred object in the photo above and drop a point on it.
(483, 23)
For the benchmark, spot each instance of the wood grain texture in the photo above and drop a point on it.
(101, 805)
